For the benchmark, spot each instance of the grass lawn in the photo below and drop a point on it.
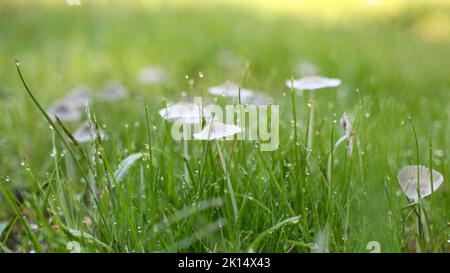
(393, 59)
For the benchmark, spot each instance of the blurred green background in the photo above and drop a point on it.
(395, 53)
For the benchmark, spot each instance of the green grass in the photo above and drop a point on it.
(392, 76)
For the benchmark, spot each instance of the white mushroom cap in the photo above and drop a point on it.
(79, 96)
(313, 83)
(217, 130)
(64, 110)
(407, 177)
(86, 133)
(229, 89)
(188, 112)
(114, 91)
(152, 75)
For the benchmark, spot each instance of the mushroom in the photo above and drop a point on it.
(79, 96)
(86, 133)
(349, 133)
(189, 113)
(230, 89)
(215, 130)
(185, 113)
(312, 83)
(64, 110)
(408, 178)
(349, 136)
(114, 91)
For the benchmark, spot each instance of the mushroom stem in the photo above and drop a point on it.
(230, 186)
(329, 165)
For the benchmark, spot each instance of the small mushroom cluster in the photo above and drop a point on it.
(68, 109)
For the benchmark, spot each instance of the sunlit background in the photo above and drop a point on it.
(393, 57)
